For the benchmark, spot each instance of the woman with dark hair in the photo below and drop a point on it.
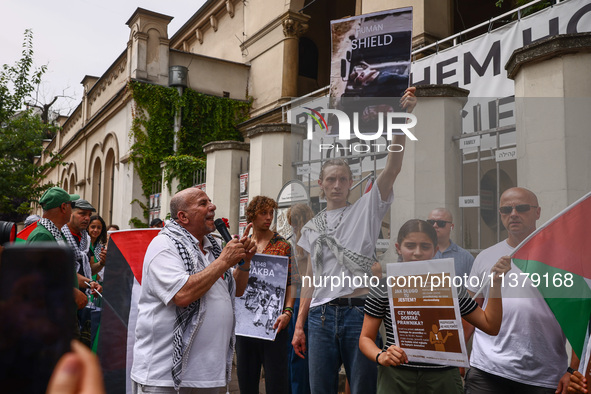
(97, 229)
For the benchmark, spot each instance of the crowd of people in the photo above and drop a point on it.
(185, 340)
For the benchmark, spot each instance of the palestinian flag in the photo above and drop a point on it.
(558, 253)
(21, 236)
(121, 292)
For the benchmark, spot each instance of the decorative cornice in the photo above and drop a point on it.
(111, 75)
(268, 128)
(201, 20)
(230, 8)
(293, 28)
(226, 145)
(547, 48)
(213, 21)
(443, 90)
(138, 35)
(295, 17)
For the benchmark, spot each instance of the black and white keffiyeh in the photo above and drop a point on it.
(357, 263)
(52, 228)
(186, 325)
(97, 251)
(97, 258)
(80, 251)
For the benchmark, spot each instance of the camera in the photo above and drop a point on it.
(7, 232)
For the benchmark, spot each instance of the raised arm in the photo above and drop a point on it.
(387, 177)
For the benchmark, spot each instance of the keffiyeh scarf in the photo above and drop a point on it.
(185, 325)
(357, 263)
(97, 251)
(52, 228)
(80, 251)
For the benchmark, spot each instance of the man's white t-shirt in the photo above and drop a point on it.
(530, 347)
(163, 276)
(358, 230)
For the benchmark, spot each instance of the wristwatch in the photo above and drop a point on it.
(378, 356)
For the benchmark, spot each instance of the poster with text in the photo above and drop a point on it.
(262, 301)
(425, 309)
(370, 58)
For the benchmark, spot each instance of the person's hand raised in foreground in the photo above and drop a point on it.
(77, 372)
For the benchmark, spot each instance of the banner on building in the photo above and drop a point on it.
(479, 64)
(262, 302)
(425, 312)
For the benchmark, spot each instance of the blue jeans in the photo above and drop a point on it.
(334, 340)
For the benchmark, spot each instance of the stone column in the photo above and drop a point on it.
(294, 25)
(225, 161)
(430, 175)
(553, 102)
(272, 148)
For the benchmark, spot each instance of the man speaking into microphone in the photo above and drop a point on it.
(185, 326)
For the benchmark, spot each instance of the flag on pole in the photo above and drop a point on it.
(121, 291)
(558, 255)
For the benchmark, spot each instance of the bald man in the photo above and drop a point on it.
(442, 220)
(185, 326)
(528, 355)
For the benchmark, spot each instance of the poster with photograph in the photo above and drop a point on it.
(243, 184)
(370, 58)
(262, 302)
(426, 314)
(242, 208)
(241, 228)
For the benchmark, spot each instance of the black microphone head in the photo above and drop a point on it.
(220, 225)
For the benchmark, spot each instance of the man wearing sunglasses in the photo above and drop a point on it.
(442, 220)
(528, 355)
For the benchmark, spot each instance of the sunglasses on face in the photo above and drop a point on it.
(506, 210)
(440, 223)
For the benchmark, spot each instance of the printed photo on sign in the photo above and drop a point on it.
(425, 309)
(371, 57)
(262, 302)
(243, 184)
(371, 54)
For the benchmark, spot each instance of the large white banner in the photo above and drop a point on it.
(479, 64)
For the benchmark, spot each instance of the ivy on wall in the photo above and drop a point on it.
(203, 119)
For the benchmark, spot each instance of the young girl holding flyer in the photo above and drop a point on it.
(417, 240)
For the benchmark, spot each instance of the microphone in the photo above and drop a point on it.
(223, 230)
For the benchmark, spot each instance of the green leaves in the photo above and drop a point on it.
(21, 136)
(182, 167)
(203, 119)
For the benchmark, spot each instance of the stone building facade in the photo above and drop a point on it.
(271, 52)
